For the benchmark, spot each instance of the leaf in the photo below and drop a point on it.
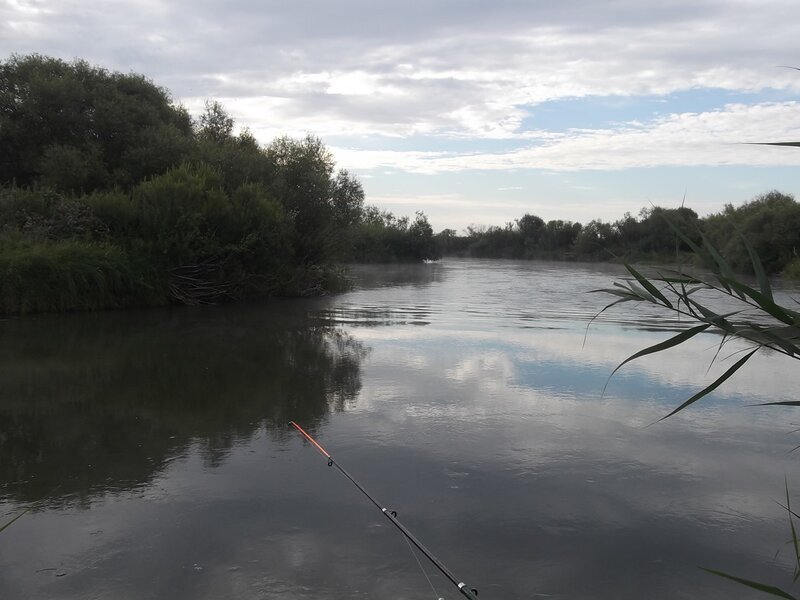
(758, 268)
(642, 292)
(646, 284)
(627, 294)
(775, 144)
(783, 343)
(605, 308)
(783, 403)
(762, 587)
(710, 316)
(763, 302)
(719, 381)
(791, 524)
(3, 527)
(673, 341)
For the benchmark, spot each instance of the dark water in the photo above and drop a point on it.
(154, 450)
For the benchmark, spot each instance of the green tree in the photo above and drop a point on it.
(79, 127)
(771, 222)
(215, 124)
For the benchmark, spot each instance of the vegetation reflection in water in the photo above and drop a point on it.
(93, 403)
(484, 428)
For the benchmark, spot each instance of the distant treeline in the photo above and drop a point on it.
(770, 222)
(112, 195)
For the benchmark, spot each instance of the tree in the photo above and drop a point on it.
(216, 124)
(78, 127)
(771, 222)
(303, 181)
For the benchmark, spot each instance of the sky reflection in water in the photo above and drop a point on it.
(460, 393)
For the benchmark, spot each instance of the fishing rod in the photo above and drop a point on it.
(471, 593)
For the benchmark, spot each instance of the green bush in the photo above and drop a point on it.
(71, 275)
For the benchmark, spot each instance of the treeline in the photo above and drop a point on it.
(770, 222)
(112, 195)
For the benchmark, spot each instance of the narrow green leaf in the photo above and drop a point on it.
(605, 308)
(673, 341)
(763, 302)
(3, 527)
(646, 284)
(791, 524)
(719, 381)
(710, 316)
(796, 144)
(719, 349)
(626, 294)
(783, 343)
(695, 248)
(641, 292)
(724, 268)
(762, 587)
(758, 268)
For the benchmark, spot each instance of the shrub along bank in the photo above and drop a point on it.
(112, 196)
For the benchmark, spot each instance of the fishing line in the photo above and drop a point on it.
(468, 592)
(421, 568)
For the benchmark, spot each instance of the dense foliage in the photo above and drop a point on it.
(113, 196)
(770, 222)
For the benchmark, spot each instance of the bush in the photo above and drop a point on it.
(71, 275)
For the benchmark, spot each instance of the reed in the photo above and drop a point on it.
(758, 320)
(70, 275)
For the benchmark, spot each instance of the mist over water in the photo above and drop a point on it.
(465, 394)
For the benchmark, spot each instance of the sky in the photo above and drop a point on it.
(476, 112)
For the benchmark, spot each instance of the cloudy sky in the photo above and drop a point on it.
(476, 112)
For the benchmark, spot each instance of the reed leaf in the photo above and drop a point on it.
(647, 285)
(763, 302)
(637, 290)
(795, 144)
(661, 346)
(762, 587)
(758, 269)
(794, 531)
(718, 382)
(7, 525)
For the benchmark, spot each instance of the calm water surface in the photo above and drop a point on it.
(153, 447)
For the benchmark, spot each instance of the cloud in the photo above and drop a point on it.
(452, 86)
(444, 68)
(713, 138)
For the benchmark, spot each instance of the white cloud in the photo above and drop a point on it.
(367, 68)
(454, 75)
(712, 138)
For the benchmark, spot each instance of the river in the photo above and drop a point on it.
(467, 395)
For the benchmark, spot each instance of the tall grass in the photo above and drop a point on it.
(70, 275)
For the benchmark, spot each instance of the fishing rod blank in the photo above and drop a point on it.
(471, 593)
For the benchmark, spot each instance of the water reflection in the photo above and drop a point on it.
(477, 413)
(95, 403)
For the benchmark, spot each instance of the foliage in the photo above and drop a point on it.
(379, 236)
(105, 168)
(751, 314)
(76, 127)
(770, 221)
(754, 316)
(69, 275)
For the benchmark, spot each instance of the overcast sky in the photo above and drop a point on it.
(476, 112)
